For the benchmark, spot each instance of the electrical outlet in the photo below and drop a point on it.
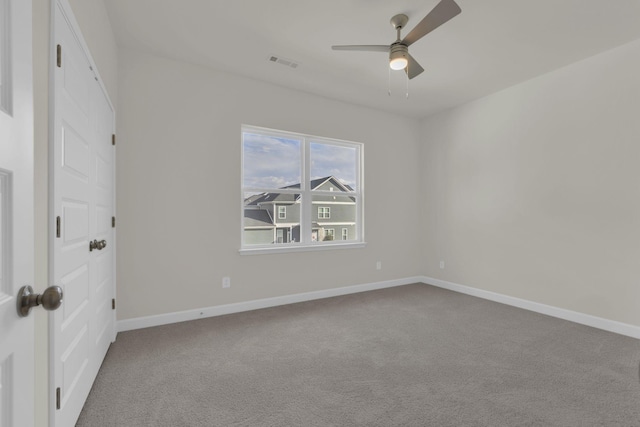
(226, 282)
(379, 265)
(442, 265)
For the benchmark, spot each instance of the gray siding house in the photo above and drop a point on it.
(274, 218)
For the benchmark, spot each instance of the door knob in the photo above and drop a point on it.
(50, 299)
(97, 245)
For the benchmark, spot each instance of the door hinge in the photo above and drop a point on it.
(113, 139)
(58, 398)
(113, 304)
(59, 53)
(58, 226)
(113, 222)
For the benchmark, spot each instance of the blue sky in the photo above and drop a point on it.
(274, 162)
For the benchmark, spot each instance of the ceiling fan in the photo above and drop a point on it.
(399, 57)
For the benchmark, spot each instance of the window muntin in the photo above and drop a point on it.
(323, 173)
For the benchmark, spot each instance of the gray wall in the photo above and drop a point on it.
(533, 192)
(181, 124)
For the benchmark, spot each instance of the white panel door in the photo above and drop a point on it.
(83, 200)
(16, 212)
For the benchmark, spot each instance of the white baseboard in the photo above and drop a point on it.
(219, 310)
(561, 313)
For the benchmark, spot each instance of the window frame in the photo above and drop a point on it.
(306, 195)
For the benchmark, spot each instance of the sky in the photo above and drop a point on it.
(275, 162)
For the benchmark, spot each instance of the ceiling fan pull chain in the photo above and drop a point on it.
(407, 76)
(389, 82)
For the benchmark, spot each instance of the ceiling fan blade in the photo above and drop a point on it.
(444, 11)
(413, 68)
(363, 47)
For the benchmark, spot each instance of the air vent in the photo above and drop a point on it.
(284, 61)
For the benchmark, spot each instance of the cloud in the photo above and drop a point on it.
(270, 162)
(334, 160)
(275, 162)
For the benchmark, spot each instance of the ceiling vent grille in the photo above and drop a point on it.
(283, 61)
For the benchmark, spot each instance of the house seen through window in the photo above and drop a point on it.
(298, 189)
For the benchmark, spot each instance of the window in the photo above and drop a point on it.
(314, 183)
(329, 234)
(5, 58)
(324, 213)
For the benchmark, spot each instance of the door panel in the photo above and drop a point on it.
(75, 160)
(83, 196)
(16, 212)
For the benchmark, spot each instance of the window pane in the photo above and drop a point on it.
(333, 161)
(5, 65)
(271, 162)
(263, 222)
(331, 215)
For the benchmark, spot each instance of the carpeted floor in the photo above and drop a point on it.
(414, 355)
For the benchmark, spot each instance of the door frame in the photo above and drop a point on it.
(67, 12)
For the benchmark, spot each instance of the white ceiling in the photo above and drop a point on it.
(492, 45)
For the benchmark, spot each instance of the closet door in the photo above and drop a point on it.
(83, 245)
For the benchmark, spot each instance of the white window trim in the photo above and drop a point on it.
(345, 234)
(282, 214)
(307, 197)
(292, 247)
(326, 212)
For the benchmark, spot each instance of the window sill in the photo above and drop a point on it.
(262, 250)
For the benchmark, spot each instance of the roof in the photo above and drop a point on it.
(257, 218)
(257, 199)
(271, 197)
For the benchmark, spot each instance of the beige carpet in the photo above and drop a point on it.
(414, 355)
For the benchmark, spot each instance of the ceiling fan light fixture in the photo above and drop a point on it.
(398, 57)
(398, 64)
